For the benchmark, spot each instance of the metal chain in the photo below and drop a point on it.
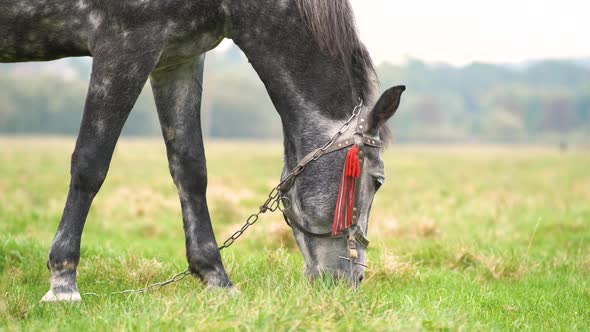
(272, 203)
(317, 154)
(175, 278)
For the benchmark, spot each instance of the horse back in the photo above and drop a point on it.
(38, 30)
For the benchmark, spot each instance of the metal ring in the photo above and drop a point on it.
(362, 138)
(284, 206)
(274, 205)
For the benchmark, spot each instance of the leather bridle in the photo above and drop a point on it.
(354, 234)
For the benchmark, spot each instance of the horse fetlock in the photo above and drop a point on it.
(213, 279)
(219, 280)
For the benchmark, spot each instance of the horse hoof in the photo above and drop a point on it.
(231, 291)
(67, 297)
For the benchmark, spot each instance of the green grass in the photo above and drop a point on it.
(469, 238)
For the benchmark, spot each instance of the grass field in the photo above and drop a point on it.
(463, 238)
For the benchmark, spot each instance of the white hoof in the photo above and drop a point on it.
(51, 296)
(231, 291)
(234, 292)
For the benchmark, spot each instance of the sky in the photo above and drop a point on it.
(462, 31)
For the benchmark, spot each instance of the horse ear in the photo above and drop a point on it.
(386, 106)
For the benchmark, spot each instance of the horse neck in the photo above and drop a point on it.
(310, 89)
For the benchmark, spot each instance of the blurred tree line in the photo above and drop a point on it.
(545, 101)
(540, 102)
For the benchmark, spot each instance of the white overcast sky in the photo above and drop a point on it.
(463, 31)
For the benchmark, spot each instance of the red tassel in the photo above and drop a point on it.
(345, 200)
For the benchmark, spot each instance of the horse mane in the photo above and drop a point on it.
(333, 26)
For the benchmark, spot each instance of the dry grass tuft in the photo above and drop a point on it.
(231, 195)
(511, 308)
(143, 270)
(505, 198)
(424, 228)
(224, 202)
(585, 264)
(16, 309)
(277, 257)
(578, 261)
(138, 202)
(427, 228)
(496, 267)
(281, 235)
(3, 306)
(393, 267)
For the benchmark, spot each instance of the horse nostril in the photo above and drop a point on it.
(361, 277)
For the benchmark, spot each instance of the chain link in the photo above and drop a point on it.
(355, 113)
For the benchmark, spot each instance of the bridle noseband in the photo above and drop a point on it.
(353, 234)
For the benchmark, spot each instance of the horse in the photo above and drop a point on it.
(317, 72)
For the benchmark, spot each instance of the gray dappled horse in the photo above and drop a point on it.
(307, 53)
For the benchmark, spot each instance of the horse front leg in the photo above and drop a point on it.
(118, 76)
(177, 92)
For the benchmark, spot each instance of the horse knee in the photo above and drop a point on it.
(188, 171)
(88, 172)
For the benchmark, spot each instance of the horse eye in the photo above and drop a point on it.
(378, 180)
